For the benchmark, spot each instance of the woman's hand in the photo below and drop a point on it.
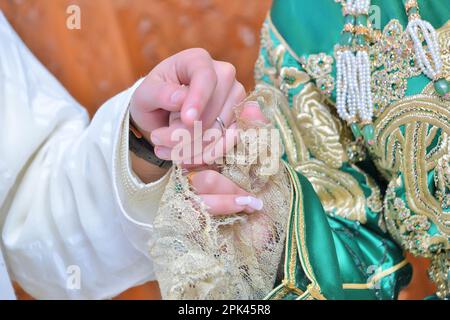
(187, 87)
(220, 194)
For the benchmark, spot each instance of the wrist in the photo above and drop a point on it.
(146, 172)
(144, 161)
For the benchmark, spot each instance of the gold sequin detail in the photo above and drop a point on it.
(393, 62)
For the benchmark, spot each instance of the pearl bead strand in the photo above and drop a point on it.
(354, 95)
(426, 47)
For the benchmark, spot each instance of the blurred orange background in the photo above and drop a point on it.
(121, 40)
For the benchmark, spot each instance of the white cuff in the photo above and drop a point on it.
(140, 200)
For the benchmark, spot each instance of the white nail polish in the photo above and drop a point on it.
(256, 203)
(243, 201)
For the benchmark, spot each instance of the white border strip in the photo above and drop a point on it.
(6, 288)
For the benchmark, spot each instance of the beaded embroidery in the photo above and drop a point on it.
(393, 62)
(319, 67)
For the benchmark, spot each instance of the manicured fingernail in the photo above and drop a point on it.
(176, 97)
(256, 203)
(243, 201)
(192, 114)
(252, 202)
(155, 139)
(162, 153)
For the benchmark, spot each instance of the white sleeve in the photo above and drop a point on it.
(74, 219)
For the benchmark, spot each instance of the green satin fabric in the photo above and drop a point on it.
(322, 245)
(344, 252)
(315, 26)
(332, 252)
(311, 27)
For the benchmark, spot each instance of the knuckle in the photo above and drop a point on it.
(200, 53)
(241, 92)
(240, 87)
(208, 74)
(228, 70)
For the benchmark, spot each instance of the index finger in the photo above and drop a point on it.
(195, 68)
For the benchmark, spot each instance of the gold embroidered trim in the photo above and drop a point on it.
(282, 117)
(412, 135)
(376, 278)
(320, 130)
(401, 135)
(339, 193)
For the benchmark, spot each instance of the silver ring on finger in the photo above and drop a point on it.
(221, 124)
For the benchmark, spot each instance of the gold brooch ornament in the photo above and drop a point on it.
(292, 78)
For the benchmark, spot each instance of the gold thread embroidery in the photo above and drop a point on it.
(393, 62)
(404, 134)
(319, 67)
(311, 129)
(320, 130)
(313, 288)
(412, 138)
(339, 193)
(444, 43)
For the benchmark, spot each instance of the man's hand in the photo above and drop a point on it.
(187, 87)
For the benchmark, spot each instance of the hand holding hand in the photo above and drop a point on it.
(187, 87)
(220, 194)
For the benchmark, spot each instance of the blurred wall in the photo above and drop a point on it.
(121, 40)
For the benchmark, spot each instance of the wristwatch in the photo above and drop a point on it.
(143, 149)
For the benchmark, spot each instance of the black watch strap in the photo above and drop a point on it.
(144, 150)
